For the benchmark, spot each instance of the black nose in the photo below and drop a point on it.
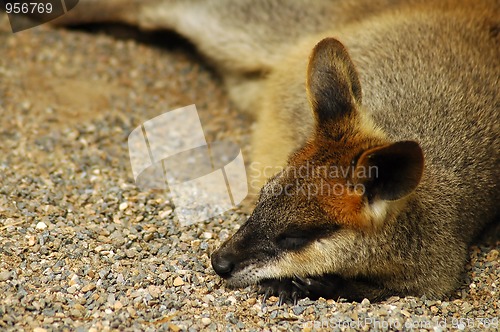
(222, 264)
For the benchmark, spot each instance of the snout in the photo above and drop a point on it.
(223, 263)
(228, 257)
(245, 248)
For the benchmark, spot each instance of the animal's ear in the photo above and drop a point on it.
(332, 82)
(390, 172)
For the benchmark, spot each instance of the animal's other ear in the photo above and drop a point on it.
(390, 172)
(332, 82)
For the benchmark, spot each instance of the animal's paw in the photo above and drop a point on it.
(283, 288)
(329, 286)
(296, 288)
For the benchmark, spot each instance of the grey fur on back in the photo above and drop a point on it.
(440, 88)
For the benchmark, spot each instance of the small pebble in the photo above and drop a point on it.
(492, 255)
(5, 275)
(120, 279)
(178, 281)
(72, 289)
(174, 327)
(39, 329)
(41, 225)
(165, 214)
(118, 305)
(88, 287)
(297, 310)
(32, 241)
(206, 235)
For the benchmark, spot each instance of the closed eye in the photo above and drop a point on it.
(295, 239)
(292, 242)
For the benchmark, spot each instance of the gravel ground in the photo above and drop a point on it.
(81, 248)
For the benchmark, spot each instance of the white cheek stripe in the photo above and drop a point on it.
(329, 255)
(252, 274)
(324, 256)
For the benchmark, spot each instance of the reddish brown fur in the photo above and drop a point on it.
(345, 209)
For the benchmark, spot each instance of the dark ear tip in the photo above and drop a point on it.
(329, 43)
(326, 49)
(332, 82)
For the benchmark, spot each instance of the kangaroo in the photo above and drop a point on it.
(377, 138)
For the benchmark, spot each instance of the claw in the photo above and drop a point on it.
(295, 298)
(302, 287)
(265, 297)
(282, 299)
(305, 281)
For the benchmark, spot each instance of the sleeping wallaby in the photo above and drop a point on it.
(377, 135)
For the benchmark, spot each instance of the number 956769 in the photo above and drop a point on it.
(28, 8)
